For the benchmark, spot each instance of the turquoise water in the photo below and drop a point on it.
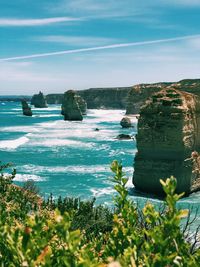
(70, 158)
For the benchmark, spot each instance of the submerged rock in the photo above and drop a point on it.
(125, 122)
(70, 107)
(124, 137)
(168, 142)
(26, 109)
(39, 101)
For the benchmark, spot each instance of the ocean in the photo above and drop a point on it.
(71, 158)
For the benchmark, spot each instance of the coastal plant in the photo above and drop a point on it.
(55, 233)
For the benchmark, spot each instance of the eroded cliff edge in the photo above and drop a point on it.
(168, 142)
(138, 94)
(105, 98)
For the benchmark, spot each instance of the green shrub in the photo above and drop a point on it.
(46, 236)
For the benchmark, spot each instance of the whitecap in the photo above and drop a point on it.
(61, 142)
(97, 192)
(68, 169)
(13, 144)
(26, 177)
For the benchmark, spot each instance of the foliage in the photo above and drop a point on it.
(56, 234)
(94, 220)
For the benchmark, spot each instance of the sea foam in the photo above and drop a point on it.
(13, 144)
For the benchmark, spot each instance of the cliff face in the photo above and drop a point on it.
(26, 109)
(70, 108)
(106, 98)
(54, 98)
(39, 101)
(113, 98)
(168, 142)
(139, 93)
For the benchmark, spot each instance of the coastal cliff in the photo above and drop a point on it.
(138, 94)
(105, 98)
(168, 142)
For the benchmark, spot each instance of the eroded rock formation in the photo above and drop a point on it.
(39, 101)
(96, 98)
(70, 107)
(82, 104)
(25, 108)
(138, 94)
(168, 142)
(125, 122)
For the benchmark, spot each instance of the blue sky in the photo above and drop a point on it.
(105, 43)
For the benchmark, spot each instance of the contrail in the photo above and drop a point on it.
(113, 46)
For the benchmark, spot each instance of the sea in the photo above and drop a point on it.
(72, 159)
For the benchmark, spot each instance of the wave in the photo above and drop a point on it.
(61, 142)
(26, 177)
(68, 169)
(13, 144)
(22, 129)
(98, 192)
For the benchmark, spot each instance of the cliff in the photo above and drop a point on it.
(54, 98)
(39, 101)
(168, 142)
(139, 93)
(70, 107)
(105, 98)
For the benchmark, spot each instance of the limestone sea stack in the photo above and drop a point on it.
(39, 101)
(70, 107)
(168, 142)
(82, 104)
(26, 109)
(125, 122)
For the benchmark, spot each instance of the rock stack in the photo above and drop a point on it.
(70, 107)
(39, 101)
(125, 122)
(26, 109)
(168, 142)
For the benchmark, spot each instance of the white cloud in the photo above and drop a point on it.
(75, 40)
(97, 48)
(12, 22)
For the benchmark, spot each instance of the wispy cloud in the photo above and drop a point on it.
(113, 46)
(13, 22)
(74, 40)
(188, 3)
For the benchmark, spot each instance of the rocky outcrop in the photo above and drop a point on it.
(124, 137)
(82, 104)
(26, 109)
(125, 122)
(105, 98)
(70, 107)
(39, 101)
(138, 94)
(98, 98)
(168, 142)
(54, 98)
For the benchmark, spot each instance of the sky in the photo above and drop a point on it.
(56, 45)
